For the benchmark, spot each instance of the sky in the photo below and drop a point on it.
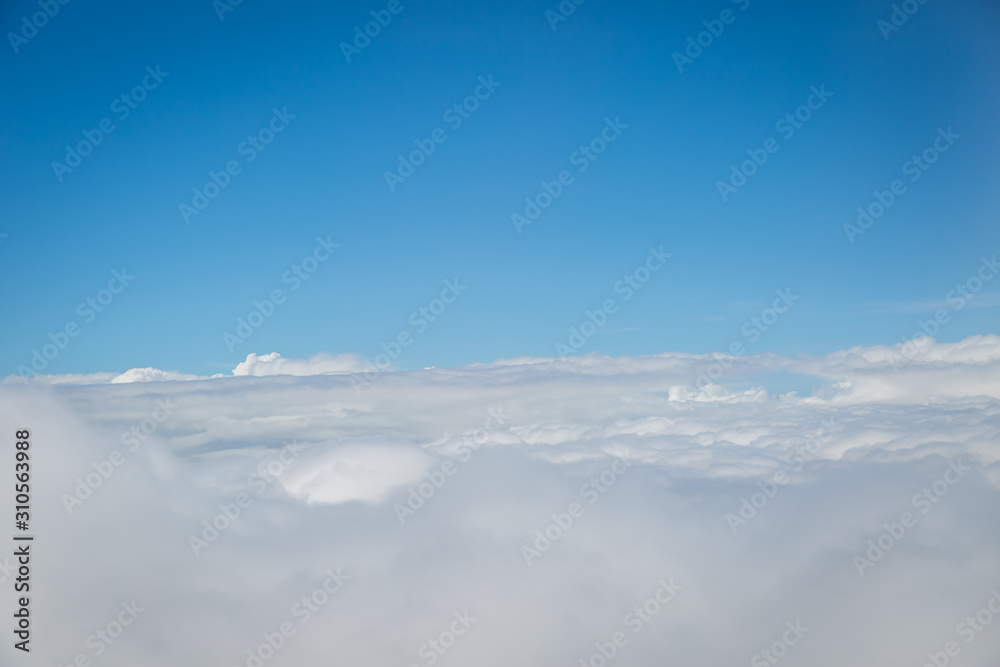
(218, 74)
(420, 334)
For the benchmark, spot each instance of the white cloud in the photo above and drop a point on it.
(275, 364)
(150, 375)
(364, 472)
(696, 453)
(254, 365)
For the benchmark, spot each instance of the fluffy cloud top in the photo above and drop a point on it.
(275, 364)
(554, 501)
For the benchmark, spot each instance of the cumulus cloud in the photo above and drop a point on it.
(275, 364)
(550, 499)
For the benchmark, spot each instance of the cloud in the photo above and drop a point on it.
(150, 375)
(275, 364)
(359, 472)
(254, 365)
(427, 487)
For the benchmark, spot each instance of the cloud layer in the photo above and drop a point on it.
(548, 498)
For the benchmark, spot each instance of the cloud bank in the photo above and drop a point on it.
(687, 509)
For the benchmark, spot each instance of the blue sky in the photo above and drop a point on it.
(655, 185)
